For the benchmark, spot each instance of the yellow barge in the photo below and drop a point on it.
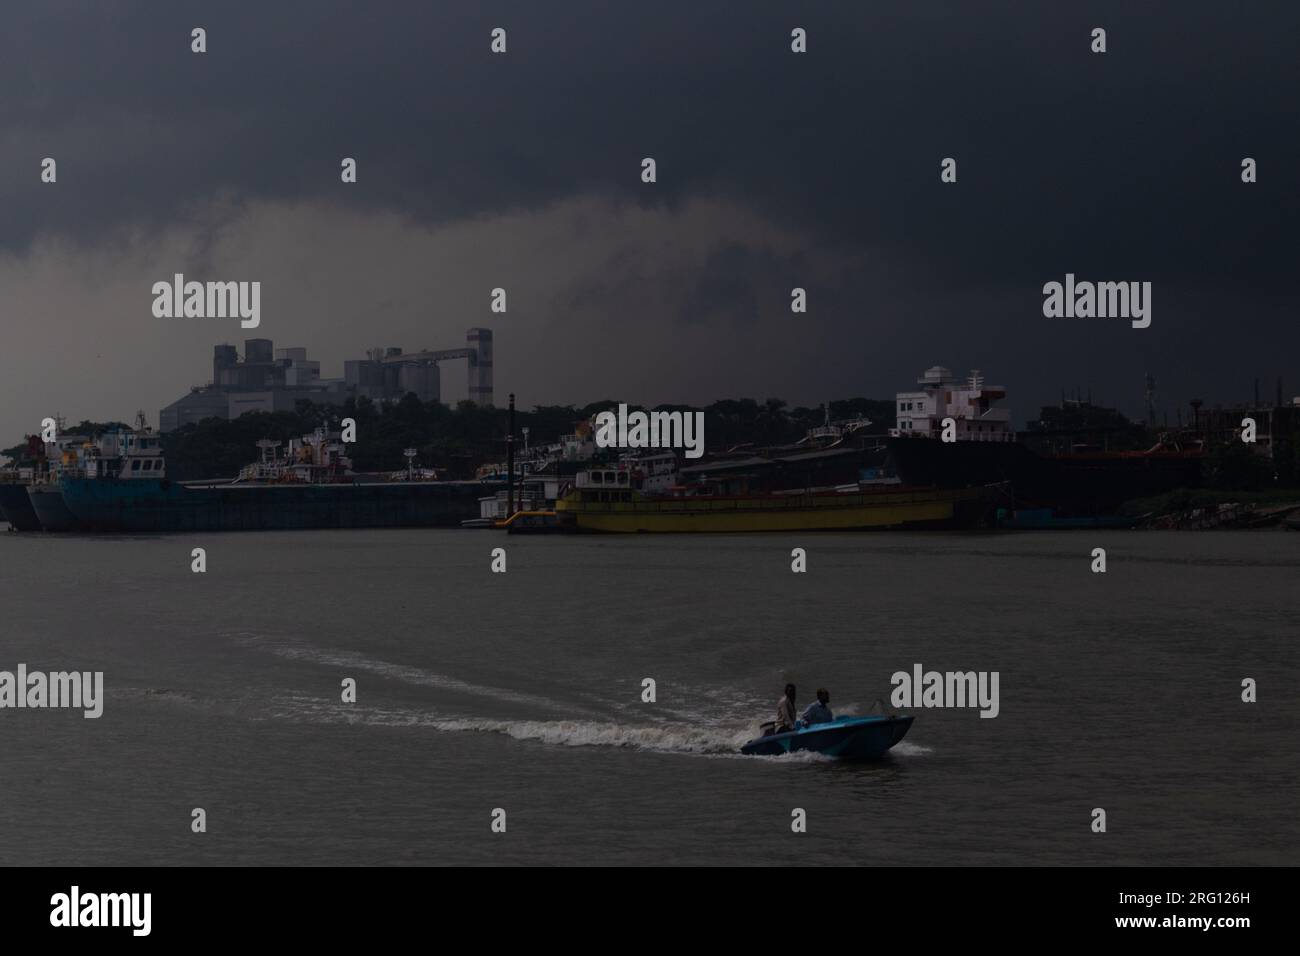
(618, 508)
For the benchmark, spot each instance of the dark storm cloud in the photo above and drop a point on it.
(1057, 147)
(1116, 166)
(738, 282)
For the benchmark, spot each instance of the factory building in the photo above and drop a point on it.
(273, 380)
(387, 372)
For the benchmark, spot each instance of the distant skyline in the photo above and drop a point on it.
(775, 170)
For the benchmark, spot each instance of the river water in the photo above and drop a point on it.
(522, 691)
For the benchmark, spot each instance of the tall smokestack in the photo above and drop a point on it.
(480, 366)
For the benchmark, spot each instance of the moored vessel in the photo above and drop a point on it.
(117, 454)
(306, 486)
(47, 503)
(608, 499)
(16, 506)
(159, 505)
(955, 434)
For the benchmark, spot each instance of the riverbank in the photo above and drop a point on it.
(1195, 508)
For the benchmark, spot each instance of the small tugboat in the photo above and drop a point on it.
(848, 738)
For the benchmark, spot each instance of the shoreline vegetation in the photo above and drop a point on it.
(457, 439)
(1204, 508)
(1185, 499)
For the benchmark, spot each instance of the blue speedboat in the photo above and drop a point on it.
(849, 738)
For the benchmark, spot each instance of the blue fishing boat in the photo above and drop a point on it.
(848, 738)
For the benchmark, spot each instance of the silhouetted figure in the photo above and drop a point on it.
(819, 711)
(785, 718)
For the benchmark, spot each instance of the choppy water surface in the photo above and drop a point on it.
(523, 691)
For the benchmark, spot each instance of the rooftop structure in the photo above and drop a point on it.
(970, 404)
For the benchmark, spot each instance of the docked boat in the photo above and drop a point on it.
(117, 454)
(308, 485)
(47, 503)
(1084, 481)
(1079, 481)
(848, 738)
(609, 499)
(16, 506)
(163, 506)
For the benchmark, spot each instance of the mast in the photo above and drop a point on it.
(510, 459)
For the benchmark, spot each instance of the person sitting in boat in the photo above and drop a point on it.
(819, 711)
(785, 719)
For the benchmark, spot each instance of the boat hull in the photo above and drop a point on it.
(159, 505)
(1045, 519)
(1082, 484)
(908, 508)
(16, 508)
(51, 510)
(847, 738)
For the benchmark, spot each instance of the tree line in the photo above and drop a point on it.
(457, 439)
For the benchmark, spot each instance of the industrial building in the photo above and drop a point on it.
(267, 379)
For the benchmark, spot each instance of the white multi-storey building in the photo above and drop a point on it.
(970, 404)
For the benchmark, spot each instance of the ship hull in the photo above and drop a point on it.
(146, 505)
(53, 514)
(16, 508)
(924, 508)
(1070, 484)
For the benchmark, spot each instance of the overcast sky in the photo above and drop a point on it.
(775, 170)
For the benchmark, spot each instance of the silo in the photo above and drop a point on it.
(421, 379)
(480, 366)
(223, 357)
(257, 351)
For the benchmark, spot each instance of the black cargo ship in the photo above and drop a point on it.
(1082, 483)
